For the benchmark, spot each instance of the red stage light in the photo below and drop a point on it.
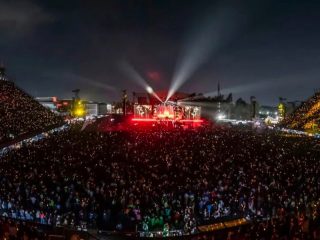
(167, 120)
(144, 120)
(192, 120)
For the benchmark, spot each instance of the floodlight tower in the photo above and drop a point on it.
(78, 108)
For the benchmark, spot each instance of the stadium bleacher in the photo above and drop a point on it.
(305, 117)
(21, 115)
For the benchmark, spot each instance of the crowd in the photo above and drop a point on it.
(306, 116)
(21, 114)
(166, 180)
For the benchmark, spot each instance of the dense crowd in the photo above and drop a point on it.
(306, 116)
(21, 114)
(165, 180)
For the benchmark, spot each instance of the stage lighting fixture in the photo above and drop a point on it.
(221, 116)
(149, 90)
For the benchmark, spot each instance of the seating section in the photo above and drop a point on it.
(20, 114)
(307, 116)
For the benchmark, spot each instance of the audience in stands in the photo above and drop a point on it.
(20, 114)
(306, 116)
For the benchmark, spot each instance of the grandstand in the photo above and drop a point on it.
(307, 116)
(20, 114)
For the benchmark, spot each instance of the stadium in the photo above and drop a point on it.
(68, 179)
(155, 119)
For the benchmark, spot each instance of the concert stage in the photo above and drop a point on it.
(157, 111)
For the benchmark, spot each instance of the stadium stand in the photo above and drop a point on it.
(305, 117)
(20, 114)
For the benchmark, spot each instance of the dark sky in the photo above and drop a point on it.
(261, 47)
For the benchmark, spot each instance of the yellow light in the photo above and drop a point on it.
(79, 112)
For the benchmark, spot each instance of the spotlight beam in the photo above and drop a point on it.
(150, 91)
(208, 36)
(133, 74)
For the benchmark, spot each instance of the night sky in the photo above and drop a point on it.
(263, 48)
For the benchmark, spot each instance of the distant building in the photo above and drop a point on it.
(63, 106)
(48, 102)
(92, 108)
(104, 108)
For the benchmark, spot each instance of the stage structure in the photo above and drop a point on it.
(148, 108)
